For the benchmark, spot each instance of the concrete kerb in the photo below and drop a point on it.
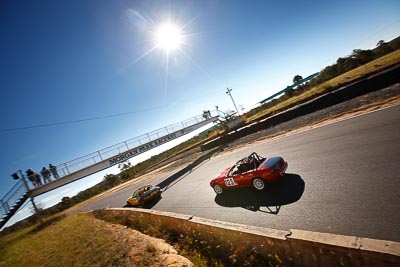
(323, 249)
(282, 248)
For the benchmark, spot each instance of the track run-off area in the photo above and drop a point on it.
(343, 178)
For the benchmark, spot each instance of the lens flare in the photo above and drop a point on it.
(168, 37)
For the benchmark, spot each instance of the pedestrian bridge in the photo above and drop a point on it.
(102, 159)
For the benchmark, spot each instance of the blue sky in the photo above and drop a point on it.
(72, 60)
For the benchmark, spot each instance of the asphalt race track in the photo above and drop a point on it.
(343, 178)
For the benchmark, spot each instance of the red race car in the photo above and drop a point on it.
(253, 170)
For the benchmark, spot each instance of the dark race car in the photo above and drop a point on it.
(253, 170)
(143, 195)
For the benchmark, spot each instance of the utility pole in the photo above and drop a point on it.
(228, 91)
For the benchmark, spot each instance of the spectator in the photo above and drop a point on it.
(46, 175)
(53, 170)
(34, 177)
(37, 178)
(31, 177)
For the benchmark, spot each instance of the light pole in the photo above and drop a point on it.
(228, 91)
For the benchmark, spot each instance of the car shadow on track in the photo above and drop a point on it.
(176, 177)
(151, 203)
(287, 190)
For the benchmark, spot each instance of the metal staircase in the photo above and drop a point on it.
(12, 201)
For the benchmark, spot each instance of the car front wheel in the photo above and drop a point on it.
(258, 184)
(218, 189)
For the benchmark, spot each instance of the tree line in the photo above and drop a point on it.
(356, 59)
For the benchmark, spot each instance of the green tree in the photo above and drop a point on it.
(66, 202)
(297, 78)
(382, 48)
(363, 56)
(124, 166)
(380, 42)
(111, 180)
(289, 93)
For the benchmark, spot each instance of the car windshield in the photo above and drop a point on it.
(240, 167)
(234, 170)
(141, 190)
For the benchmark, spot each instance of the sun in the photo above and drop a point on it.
(168, 37)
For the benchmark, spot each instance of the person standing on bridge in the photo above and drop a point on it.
(46, 175)
(34, 177)
(37, 178)
(31, 177)
(53, 170)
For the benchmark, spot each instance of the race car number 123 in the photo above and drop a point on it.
(230, 182)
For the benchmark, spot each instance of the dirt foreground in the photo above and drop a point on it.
(147, 250)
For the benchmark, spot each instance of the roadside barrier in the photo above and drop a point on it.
(358, 88)
(278, 247)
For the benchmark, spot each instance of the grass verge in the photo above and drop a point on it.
(370, 68)
(78, 240)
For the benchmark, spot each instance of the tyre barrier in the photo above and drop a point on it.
(372, 83)
(236, 242)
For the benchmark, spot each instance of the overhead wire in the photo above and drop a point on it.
(79, 120)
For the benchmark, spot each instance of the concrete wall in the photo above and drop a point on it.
(235, 123)
(277, 247)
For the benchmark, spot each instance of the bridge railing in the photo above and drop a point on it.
(8, 202)
(12, 196)
(114, 150)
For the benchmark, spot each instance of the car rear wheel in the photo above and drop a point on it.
(218, 189)
(258, 184)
